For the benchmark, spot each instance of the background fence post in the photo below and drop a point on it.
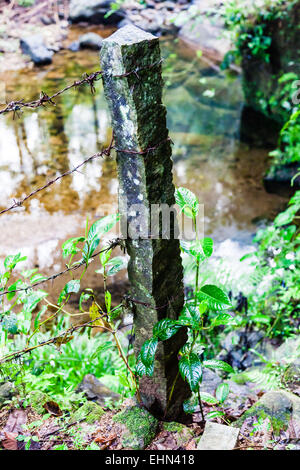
(131, 66)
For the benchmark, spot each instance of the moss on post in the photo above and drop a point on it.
(131, 65)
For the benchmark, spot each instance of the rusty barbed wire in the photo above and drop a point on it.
(113, 244)
(105, 152)
(16, 106)
(16, 204)
(65, 334)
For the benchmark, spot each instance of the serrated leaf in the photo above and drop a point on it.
(215, 298)
(165, 329)
(11, 261)
(69, 247)
(99, 228)
(191, 370)
(187, 201)
(13, 287)
(217, 364)
(222, 392)
(115, 265)
(104, 256)
(32, 300)
(71, 287)
(199, 249)
(148, 351)
(37, 278)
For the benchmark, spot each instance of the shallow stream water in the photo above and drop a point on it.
(204, 115)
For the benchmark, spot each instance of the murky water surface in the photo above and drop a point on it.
(204, 114)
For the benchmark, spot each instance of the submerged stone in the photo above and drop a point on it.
(35, 47)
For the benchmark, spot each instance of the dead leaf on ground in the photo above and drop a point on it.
(10, 442)
(191, 445)
(14, 423)
(53, 408)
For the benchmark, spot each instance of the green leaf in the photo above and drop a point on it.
(222, 392)
(83, 298)
(115, 265)
(99, 228)
(31, 300)
(223, 319)
(187, 201)
(190, 316)
(10, 323)
(208, 398)
(214, 414)
(13, 287)
(191, 370)
(107, 301)
(199, 249)
(215, 298)
(142, 369)
(104, 256)
(71, 287)
(37, 278)
(11, 261)
(285, 217)
(69, 247)
(190, 406)
(29, 272)
(216, 364)
(260, 318)
(165, 328)
(148, 351)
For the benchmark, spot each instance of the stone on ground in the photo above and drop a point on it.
(6, 392)
(90, 41)
(138, 427)
(35, 47)
(218, 437)
(93, 11)
(96, 390)
(280, 406)
(89, 412)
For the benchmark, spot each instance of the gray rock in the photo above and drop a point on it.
(210, 381)
(279, 406)
(74, 46)
(93, 11)
(138, 427)
(6, 392)
(90, 41)
(218, 437)
(97, 391)
(35, 47)
(206, 36)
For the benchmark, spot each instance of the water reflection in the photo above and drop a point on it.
(204, 111)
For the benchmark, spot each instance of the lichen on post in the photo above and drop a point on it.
(131, 68)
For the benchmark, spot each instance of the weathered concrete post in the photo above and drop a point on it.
(131, 65)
